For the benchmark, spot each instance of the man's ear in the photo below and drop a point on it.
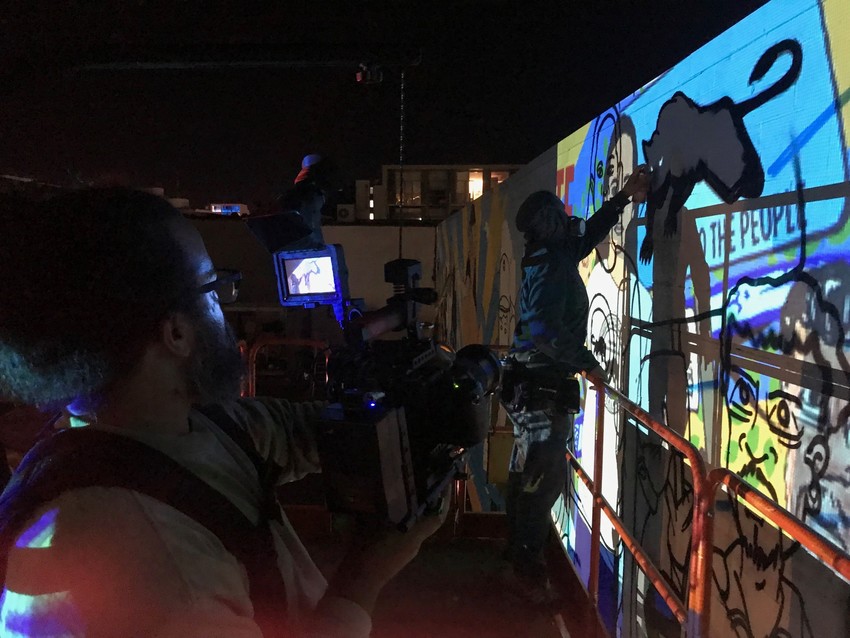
(178, 335)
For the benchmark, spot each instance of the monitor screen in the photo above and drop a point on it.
(310, 275)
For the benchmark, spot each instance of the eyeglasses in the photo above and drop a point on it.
(225, 285)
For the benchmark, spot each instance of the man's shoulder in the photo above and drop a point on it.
(94, 513)
(243, 411)
(101, 558)
(546, 259)
(81, 530)
(116, 531)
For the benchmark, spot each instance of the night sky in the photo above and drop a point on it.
(498, 82)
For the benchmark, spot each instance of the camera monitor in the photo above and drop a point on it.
(312, 276)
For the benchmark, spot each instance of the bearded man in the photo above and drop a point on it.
(109, 308)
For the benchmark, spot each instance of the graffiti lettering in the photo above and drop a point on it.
(760, 228)
(718, 238)
(764, 224)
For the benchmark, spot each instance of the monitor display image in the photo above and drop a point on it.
(310, 275)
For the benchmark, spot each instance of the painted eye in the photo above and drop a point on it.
(782, 421)
(742, 404)
(817, 456)
(783, 414)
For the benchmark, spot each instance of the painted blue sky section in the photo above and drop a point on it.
(804, 116)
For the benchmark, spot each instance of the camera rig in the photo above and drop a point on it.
(401, 413)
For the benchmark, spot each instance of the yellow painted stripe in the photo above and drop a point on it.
(837, 18)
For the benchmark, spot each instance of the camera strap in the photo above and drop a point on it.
(77, 458)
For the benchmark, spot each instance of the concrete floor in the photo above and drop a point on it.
(455, 587)
(454, 590)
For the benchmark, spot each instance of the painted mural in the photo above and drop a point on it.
(721, 306)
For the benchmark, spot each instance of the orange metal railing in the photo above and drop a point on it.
(266, 340)
(694, 612)
(828, 553)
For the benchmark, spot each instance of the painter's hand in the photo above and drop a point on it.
(598, 372)
(637, 186)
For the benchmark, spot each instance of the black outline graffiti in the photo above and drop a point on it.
(750, 180)
(817, 454)
(776, 558)
(507, 319)
(784, 344)
(447, 300)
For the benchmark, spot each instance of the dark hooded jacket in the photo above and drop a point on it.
(553, 303)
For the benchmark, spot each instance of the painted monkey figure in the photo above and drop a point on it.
(693, 143)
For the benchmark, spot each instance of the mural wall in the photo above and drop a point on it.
(721, 306)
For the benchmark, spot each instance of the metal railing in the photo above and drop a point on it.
(266, 340)
(694, 612)
(824, 550)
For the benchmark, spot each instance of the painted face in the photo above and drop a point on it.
(760, 573)
(819, 468)
(621, 164)
(791, 439)
(764, 423)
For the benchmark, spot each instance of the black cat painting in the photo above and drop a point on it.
(693, 143)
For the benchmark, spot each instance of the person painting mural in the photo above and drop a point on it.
(549, 341)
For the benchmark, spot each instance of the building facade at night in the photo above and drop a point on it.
(421, 192)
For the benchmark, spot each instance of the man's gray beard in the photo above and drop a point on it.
(216, 369)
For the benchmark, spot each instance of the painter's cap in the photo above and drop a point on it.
(532, 206)
(307, 163)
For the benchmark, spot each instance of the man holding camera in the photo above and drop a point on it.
(156, 516)
(549, 347)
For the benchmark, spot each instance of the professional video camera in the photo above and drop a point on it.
(402, 413)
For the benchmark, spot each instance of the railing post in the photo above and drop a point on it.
(700, 571)
(699, 575)
(251, 365)
(595, 544)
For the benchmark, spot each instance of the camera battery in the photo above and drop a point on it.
(366, 462)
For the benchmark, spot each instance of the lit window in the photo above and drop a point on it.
(371, 216)
(461, 186)
(476, 184)
(371, 190)
(371, 203)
